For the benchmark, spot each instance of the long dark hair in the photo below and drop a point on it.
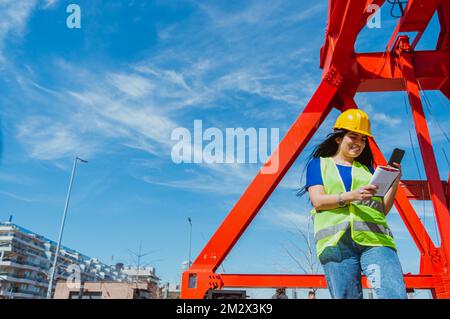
(329, 147)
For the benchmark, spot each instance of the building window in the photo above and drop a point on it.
(85, 295)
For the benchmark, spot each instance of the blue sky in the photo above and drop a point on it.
(113, 91)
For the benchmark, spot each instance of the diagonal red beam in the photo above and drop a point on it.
(263, 184)
(436, 190)
(345, 21)
(418, 14)
(443, 42)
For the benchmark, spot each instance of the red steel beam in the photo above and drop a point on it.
(436, 190)
(446, 89)
(447, 193)
(418, 14)
(346, 18)
(307, 281)
(263, 184)
(273, 280)
(379, 72)
(443, 42)
(419, 190)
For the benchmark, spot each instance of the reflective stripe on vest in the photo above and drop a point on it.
(329, 231)
(375, 228)
(375, 204)
(357, 226)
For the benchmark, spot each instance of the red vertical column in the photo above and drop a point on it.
(436, 190)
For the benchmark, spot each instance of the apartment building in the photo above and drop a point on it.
(141, 274)
(26, 259)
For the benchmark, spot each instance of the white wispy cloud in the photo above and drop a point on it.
(133, 85)
(16, 197)
(15, 14)
(49, 140)
(108, 106)
(289, 216)
(246, 82)
(225, 179)
(15, 179)
(385, 119)
(135, 119)
(50, 3)
(138, 106)
(254, 13)
(171, 88)
(308, 13)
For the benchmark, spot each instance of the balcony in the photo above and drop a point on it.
(25, 294)
(21, 295)
(5, 247)
(24, 279)
(29, 243)
(24, 252)
(22, 265)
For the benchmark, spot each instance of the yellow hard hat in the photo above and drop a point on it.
(354, 120)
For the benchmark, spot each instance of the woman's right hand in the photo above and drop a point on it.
(363, 193)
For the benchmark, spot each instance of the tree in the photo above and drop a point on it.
(303, 252)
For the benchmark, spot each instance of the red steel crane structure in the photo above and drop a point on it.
(345, 72)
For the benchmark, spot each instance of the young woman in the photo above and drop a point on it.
(350, 229)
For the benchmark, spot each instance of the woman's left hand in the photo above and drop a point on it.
(399, 167)
(389, 197)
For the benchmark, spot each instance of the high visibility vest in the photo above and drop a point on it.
(366, 219)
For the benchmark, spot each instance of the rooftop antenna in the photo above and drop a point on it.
(139, 256)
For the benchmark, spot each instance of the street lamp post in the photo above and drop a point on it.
(190, 241)
(55, 261)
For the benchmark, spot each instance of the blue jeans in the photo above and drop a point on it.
(344, 263)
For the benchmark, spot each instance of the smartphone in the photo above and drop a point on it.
(397, 156)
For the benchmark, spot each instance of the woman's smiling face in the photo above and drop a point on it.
(352, 144)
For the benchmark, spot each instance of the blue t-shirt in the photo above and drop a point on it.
(314, 175)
